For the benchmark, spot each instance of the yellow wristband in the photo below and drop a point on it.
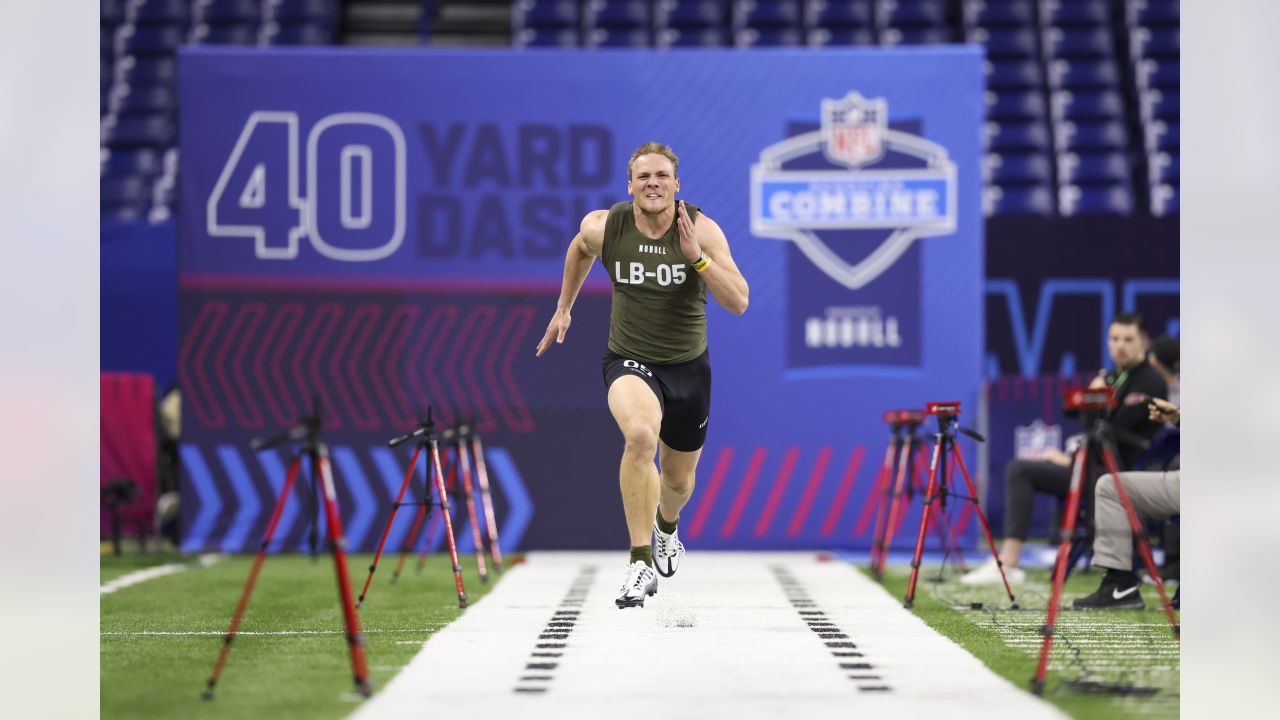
(701, 263)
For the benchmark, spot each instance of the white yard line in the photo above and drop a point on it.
(151, 573)
(742, 635)
(366, 631)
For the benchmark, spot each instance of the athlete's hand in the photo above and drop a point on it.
(688, 238)
(556, 329)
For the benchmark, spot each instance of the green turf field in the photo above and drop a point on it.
(146, 673)
(1134, 647)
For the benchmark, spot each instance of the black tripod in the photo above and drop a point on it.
(948, 414)
(429, 440)
(308, 433)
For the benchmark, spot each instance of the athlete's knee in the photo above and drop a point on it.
(641, 438)
(1106, 487)
(680, 483)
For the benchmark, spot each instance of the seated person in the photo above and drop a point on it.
(1154, 495)
(1135, 383)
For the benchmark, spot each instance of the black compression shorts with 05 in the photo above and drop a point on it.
(683, 391)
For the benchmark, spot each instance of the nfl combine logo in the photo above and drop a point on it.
(853, 129)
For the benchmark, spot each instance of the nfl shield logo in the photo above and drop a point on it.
(853, 129)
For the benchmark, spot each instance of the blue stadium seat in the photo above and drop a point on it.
(617, 38)
(147, 99)
(897, 13)
(1161, 135)
(767, 14)
(1152, 12)
(1083, 74)
(1005, 42)
(705, 37)
(1090, 136)
(915, 36)
(1015, 105)
(1095, 200)
(1159, 104)
(1158, 74)
(998, 13)
(822, 37)
(752, 37)
(1030, 168)
(1081, 43)
(691, 14)
(226, 11)
(152, 39)
(110, 12)
(546, 38)
(545, 14)
(1008, 74)
(1155, 42)
(1162, 167)
(1012, 137)
(1099, 168)
(1015, 200)
(1165, 199)
(233, 34)
(144, 162)
(144, 130)
(1087, 105)
(1074, 12)
(300, 33)
(145, 70)
(161, 12)
(617, 14)
(294, 10)
(839, 13)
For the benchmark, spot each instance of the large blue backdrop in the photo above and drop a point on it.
(387, 229)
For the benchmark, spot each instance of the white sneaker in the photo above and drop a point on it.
(989, 574)
(667, 551)
(641, 582)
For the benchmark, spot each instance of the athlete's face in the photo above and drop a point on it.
(653, 183)
(1127, 345)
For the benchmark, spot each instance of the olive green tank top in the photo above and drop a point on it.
(659, 302)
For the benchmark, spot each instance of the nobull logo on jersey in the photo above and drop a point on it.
(852, 193)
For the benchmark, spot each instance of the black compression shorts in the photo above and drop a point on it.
(683, 390)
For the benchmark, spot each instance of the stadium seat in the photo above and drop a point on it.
(706, 37)
(1030, 168)
(751, 37)
(146, 99)
(111, 12)
(1106, 168)
(1155, 42)
(1015, 105)
(1006, 74)
(1083, 43)
(898, 13)
(839, 13)
(998, 13)
(1005, 42)
(226, 11)
(1161, 135)
(1095, 200)
(1017, 137)
(1015, 200)
(691, 14)
(146, 70)
(1074, 12)
(1091, 136)
(149, 39)
(555, 38)
(821, 37)
(617, 38)
(295, 10)
(1159, 104)
(1158, 74)
(143, 162)
(1087, 105)
(1083, 74)
(915, 36)
(124, 190)
(617, 14)
(234, 34)
(303, 33)
(141, 130)
(545, 14)
(1163, 167)
(1164, 200)
(764, 14)
(162, 12)
(1151, 12)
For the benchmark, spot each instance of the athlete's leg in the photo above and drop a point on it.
(676, 480)
(639, 416)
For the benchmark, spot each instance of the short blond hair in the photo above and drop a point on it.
(655, 148)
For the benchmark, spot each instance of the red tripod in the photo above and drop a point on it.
(948, 414)
(482, 474)
(455, 438)
(318, 454)
(1091, 404)
(427, 438)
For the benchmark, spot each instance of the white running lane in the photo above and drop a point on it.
(742, 635)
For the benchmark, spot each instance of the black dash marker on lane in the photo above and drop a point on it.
(546, 654)
(551, 646)
(526, 678)
(540, 666)
(531, 690)
(855, 666)
(833, 636)
(840, 644)
(864, 677)
(874, 688)
(837, 653)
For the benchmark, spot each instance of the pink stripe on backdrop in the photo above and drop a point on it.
(128, 445)
(713, 489)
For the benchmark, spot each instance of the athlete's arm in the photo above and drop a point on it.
(722, 276)
(583, 250)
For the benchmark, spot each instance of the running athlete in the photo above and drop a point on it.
(662, 258)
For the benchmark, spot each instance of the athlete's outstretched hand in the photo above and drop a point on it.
(688, 238)
(556, 329)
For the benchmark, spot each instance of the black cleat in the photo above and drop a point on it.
(1119, 591)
